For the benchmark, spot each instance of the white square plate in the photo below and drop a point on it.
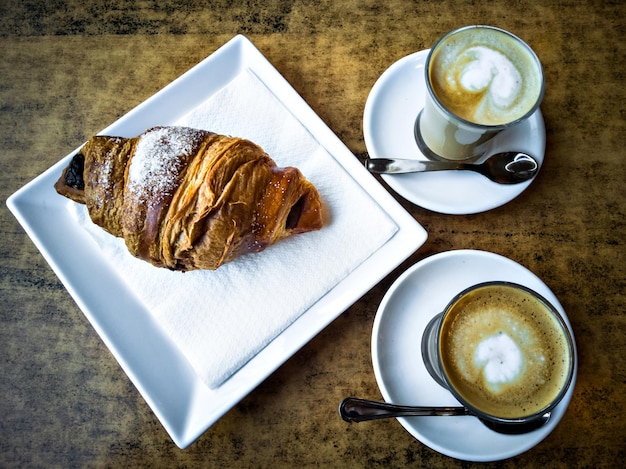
(181, 401)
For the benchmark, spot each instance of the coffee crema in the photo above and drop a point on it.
(504, 351)
(485, 76)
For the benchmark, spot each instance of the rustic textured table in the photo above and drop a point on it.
(70, 68)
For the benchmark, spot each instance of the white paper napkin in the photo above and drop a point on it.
(221, 319)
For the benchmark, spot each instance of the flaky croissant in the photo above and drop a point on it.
(189, 199)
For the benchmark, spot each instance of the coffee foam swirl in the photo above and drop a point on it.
(483, 70)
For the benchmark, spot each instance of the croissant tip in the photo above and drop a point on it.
(71, 184)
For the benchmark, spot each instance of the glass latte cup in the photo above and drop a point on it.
(480, 80)
(503, 351)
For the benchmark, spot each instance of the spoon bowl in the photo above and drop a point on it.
(353, 409)
(503, 168)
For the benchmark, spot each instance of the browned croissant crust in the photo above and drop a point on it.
(189, 199)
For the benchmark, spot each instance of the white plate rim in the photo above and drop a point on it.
(183, 404)
(465, 193)
(506, 446)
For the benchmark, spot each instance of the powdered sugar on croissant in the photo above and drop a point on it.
(188, 199)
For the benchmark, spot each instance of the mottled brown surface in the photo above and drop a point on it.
(70, 68)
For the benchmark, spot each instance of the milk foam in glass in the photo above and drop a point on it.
(502, 350)
(480, 80)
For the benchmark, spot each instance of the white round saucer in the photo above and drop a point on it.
(388, 126)
(415, 297)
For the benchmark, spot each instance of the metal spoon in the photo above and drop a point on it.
(353, 409)
(504, 168)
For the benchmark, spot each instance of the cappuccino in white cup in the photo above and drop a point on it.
(480, 80)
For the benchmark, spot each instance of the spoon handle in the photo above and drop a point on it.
(398, 165)
(353, 409)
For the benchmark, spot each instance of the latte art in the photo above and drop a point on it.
(483, 69)
(492, 77)
(500, 360)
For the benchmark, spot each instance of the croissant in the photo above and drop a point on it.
(188, 199)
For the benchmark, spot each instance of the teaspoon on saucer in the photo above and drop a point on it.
(503, 168)
(353, 409)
